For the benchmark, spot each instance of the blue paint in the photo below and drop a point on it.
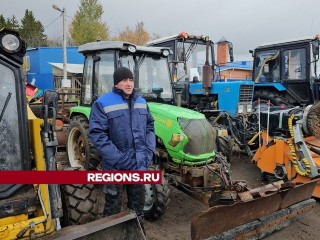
(228, 93)
(41, 70)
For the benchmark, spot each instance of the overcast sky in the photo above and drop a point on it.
(246, 23)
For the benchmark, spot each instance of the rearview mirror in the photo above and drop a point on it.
(251, 51)
(315, 49)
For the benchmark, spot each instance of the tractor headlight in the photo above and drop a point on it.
(165, 52)
(249, 108)
(10, 43)
(175, 139)
(132, 49)
(240, 109)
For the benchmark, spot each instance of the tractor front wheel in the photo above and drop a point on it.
(81, 152)
(156, 200)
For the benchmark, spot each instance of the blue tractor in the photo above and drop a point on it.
(198, 85)
(286, 73)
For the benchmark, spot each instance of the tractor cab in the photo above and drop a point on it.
(287, 72)
(149, 65)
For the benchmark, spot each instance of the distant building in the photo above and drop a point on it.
(231, 71)
(46, 69)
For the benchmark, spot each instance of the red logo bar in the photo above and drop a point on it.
(80, 177)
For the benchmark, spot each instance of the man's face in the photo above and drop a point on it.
(126, 85)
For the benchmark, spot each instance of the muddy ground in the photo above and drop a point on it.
(175, 223)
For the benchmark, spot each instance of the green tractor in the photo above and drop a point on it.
(186, 141)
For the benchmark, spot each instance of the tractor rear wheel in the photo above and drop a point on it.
(81, 152)
(276, 99)
(81, 204)
(156, 200)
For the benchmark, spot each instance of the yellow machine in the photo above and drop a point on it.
(29, 211)
(293, 151)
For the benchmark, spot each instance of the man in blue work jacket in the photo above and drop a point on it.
(121, 129)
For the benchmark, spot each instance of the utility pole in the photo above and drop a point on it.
(63, 12)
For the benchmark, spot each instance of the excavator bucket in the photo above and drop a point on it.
(120, 226)
(257, 212)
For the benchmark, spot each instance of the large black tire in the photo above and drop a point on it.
(81, 152)
(225, 145)
(81, 203)
(156, 200)
(276, 99)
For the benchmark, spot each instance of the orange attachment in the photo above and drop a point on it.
(277, 153)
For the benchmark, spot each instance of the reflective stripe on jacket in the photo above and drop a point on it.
(123, 135)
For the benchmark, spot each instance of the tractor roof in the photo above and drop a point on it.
(287, 42)
(181, 35)
(108, 45)
(164, 39)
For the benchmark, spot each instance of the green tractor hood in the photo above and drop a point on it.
(186, 134)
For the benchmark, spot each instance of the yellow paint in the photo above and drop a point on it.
(44, 225)
(160, 120)
(168, 123)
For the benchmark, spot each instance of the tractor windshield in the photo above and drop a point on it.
(151, 75)
(195, 57)
(9, 125)
(267, 66)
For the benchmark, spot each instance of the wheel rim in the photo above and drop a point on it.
(81, 149)
(76, 148)
(149, 197)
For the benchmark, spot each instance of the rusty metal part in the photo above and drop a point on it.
(207, 72)
(270, 223)
(124, 225)
(312, 121)
(61, 136)
(219, 219)
(260, 191)
(81, 149)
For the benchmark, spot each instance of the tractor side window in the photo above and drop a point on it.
(87, 80)
(195, 57)
(104, 70)
(128, 62)
(294, 67)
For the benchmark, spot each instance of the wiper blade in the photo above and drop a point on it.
(5, 105)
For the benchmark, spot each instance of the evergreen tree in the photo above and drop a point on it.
(86, 25)
(32, 31)
(12, 23)
(2, 21)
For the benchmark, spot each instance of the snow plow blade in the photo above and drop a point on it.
(124, 225)
(256, 213)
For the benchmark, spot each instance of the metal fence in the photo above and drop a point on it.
(68, 94)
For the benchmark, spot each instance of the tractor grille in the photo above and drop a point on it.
(246, 94)
(201, 136)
